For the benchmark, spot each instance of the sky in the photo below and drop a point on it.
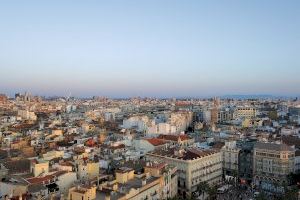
(158, 48)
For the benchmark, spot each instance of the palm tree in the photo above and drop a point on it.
(212, 192)
(291, 193)
(203, 187)
(261, 196)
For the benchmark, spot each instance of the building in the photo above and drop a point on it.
(27, 115)
(82, 193)
(194, 166)
(246, 163)
(225, 114)
(230, 158)
(88, 170)
(271, 164)
(245, 112)
(130, 186)
(18, 187)
(169, 173)
(3, 98)
(140, 123)
(295, 111)
(180, 140)
(39, 167)
(148, 144)
(161, 128)
(214, 115)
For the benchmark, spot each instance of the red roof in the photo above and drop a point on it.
(41, 180)
(156, 142)
(174, 137)
(45, 179)
(119, 146)
(90, 142)
(184, 137)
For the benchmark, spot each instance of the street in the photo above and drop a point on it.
(236, 194)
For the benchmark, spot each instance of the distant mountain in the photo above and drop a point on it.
(256, 96)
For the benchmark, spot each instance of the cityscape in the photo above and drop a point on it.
(150, 100)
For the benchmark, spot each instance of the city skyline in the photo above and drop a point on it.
(195, 97)
(159, 49)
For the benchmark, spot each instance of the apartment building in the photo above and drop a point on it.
(179, 140)
(169, 173)
(88, 170)
(193, 165)
(130, 186)
(230, 158)
(246, 162)
(245, 112)
(225, 114)
(271, 164)
(82, 193)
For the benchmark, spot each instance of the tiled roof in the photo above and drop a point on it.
(156, 142)
(174, 137)
(188, 154)
(120, 146)
(45, 179)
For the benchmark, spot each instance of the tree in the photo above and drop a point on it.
(212, 192)
(273, 115)
(261, 196)
(291, 193)
(294, 178)
(203, 187)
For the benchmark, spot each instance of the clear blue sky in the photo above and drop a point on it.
(150, 48)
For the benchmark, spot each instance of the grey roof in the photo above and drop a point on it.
(273, 146)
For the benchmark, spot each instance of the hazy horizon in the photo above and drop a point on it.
(150, 48)
(225, 96)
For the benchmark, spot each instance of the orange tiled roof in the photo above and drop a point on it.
(156, 142)
(174, 137)
(45, 179)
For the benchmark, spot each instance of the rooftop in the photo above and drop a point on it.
(174, 137)
(273, 146)
(156, 142)
(188, 154)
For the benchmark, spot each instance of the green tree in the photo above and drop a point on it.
(262, 196)
(203, 188)
(291, 193)
(212, 192)
(273, 115)
(294, 178)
